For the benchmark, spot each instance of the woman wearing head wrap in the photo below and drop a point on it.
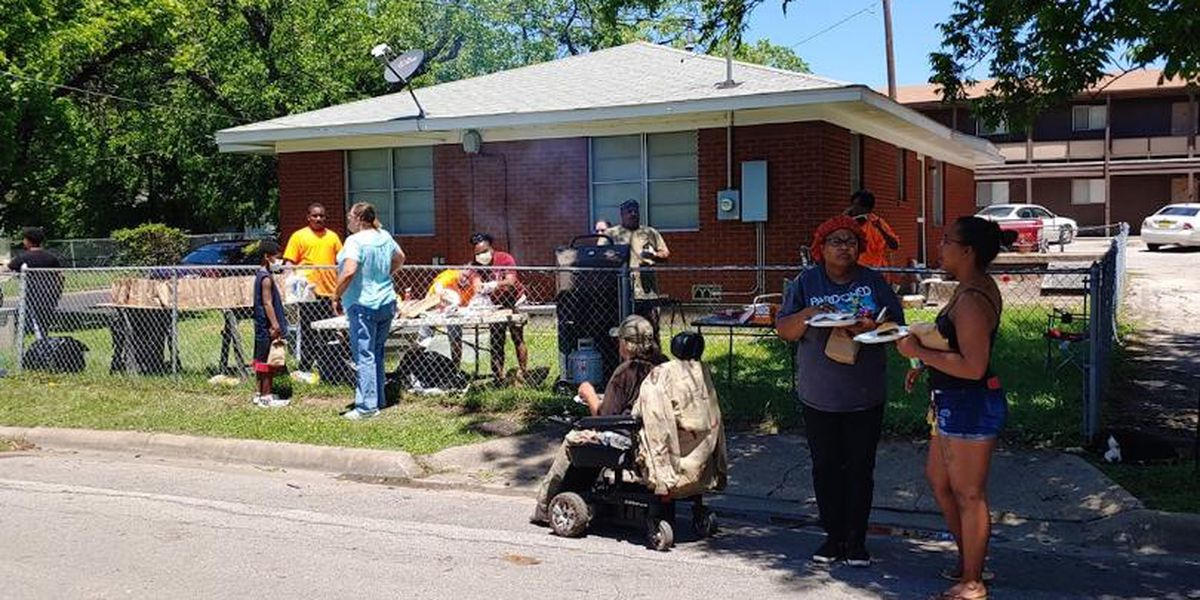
(841, 385)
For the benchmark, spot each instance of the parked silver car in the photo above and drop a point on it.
(1055, 229)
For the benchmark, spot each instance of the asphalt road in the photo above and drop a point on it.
(101, 526)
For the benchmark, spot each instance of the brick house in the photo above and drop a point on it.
(1117, 152)
(535, 155)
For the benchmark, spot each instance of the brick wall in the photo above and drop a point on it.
(533, 196)
(307, 177)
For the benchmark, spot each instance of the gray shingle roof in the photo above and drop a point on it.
(634, 74)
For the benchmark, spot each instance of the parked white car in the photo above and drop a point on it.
(1177, 224)
(1055, 229)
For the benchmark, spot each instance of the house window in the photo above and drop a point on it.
(399, 182)
(1088, 118)
(939, 198)
(901, 175)
(988, 193)
(1181, 118)
(856, 162)
(657, 169)
(982, 128)
(1087, 191)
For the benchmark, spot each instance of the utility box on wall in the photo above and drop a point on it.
(754, 191)
(729, 205)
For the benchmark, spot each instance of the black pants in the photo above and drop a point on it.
(843, 453)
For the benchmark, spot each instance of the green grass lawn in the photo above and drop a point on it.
(1161, 487)
(1044, 409)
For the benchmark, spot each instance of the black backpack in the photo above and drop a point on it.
(56, 355)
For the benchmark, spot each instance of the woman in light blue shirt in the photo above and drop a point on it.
(364, 288)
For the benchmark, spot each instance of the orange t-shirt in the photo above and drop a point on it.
(876, 252)
(452, 279)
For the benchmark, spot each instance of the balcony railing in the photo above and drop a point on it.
(1137, 147)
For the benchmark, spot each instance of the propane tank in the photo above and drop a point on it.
(586, 364)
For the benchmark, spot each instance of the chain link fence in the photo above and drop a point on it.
(532, 334)
(101, 252)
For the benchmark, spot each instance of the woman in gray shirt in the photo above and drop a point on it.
(841, 385)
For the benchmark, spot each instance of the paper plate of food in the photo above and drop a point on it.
(886, 332)
(833, 320)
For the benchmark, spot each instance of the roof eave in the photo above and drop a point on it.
(228, 138)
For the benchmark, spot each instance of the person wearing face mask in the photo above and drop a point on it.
(842, 386)
(270, 324)
(366, 291)
(502, 286)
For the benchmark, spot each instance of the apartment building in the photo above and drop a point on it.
(1116, 153)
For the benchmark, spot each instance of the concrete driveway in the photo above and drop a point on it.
(1157, 388)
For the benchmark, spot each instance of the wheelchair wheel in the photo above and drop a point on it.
(660, 535)
(569, 515)
(704, 523)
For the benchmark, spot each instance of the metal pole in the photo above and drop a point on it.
(21, 308)
(891, 55)
(175, 324)
(1091, 413)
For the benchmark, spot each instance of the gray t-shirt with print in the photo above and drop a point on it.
(823, 383)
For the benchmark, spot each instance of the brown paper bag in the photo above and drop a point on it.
(841, 347)
(277, 356)
(929, 337)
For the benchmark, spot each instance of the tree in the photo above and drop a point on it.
(763, 52)
(111, 104)
(1041, 54)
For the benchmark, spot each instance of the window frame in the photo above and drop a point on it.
(1092, 110)
(393, 191)
(991, 196)
(857, 171)
(1001, 128)
(1092, 184)
(644, 180)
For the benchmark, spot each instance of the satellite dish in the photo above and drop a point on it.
(402, 68)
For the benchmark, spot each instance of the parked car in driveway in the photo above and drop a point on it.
(1177, 224)
(1055, 229)
(217, 255)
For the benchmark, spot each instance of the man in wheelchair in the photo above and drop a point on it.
(639, 355)
(633, 466)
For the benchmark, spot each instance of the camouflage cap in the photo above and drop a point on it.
(634, 329)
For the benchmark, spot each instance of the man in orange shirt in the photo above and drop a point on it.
(314, 245)
(453, 287)
(881, 239)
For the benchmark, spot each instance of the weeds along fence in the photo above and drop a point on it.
(532, 342)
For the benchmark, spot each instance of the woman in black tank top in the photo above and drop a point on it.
(968, 400)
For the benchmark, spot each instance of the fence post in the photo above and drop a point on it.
(1091, 385)
(175, 323)
(22, 294)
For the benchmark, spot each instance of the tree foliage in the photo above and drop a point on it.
(83, 162)
(1041, 54)
(150, 244)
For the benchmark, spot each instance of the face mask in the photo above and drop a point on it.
(484, 258)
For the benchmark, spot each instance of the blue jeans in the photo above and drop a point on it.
(369, 329)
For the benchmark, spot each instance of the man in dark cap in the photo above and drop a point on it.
(646, 247)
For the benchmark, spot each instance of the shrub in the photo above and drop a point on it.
(150, 244)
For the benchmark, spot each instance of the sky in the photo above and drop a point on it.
(854, 51)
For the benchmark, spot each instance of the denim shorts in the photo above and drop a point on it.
(976, 413)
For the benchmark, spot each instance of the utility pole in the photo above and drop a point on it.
(891, 55)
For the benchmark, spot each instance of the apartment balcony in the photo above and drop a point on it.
(1081, 150)
(1150, 147)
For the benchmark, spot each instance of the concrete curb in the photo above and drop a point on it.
(351, 461)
